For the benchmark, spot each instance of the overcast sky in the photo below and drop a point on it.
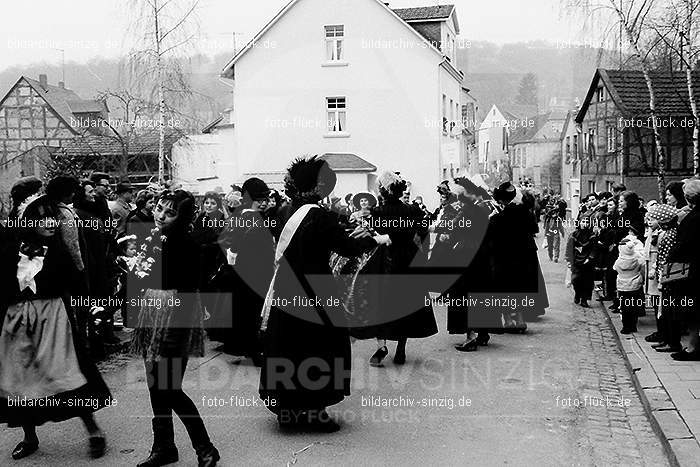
(96, 28)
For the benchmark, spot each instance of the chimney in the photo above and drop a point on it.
(43, 80)
(62, 85)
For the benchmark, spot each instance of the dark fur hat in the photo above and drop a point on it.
(309, 180)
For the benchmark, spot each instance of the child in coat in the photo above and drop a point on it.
(579, 257)
(630, 284)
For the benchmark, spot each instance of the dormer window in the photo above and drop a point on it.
(334, 43)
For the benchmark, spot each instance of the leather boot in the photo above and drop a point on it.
(207, 456)
(164, 451)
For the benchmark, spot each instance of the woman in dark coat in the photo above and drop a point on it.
(249, 239)
(472, 263)
(99, 254)
(306, 365)
(401, 312)
(43, 359)
(687, 251)
(511, 237)
(170, 326)
(206, 232)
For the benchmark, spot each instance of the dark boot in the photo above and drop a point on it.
(164, 451)
(207, 456)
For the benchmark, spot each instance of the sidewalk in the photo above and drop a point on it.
(669, 389)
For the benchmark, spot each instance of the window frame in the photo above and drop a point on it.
(335, 42)
(337, 111)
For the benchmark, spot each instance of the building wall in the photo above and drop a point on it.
(570, 187)
(205, 162)
(26, 121)
(393, 93)
(491, 140)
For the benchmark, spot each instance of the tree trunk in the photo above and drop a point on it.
(660, 157)
(161, 98)
(691, 91)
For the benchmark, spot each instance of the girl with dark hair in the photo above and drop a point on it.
(43, 358)
(306, 333)
(631, 216)
(170, 326)
(676, 198)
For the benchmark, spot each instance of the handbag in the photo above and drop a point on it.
(674, 272)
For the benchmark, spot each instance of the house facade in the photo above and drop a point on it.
(535, 151)
(571, 165)
(354, 78)
(34, 113)
(494, 137)
(618, 141)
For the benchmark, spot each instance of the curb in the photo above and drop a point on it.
(666, 421)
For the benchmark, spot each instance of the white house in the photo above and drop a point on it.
(571, 150)
(369, 87)
(205, 162)
(494, 136)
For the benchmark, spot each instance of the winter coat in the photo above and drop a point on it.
(630, 272)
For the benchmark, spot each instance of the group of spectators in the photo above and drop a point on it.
(646, 256)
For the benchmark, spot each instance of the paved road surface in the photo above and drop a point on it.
(525, 400)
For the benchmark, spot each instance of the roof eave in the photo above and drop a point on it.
(227, 72)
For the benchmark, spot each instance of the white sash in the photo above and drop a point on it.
(290, 228)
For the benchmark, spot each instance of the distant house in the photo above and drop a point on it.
(571, 164)
(494, 137)
(618, 141)
(469, 162)
(535, 151)
(34, 113)
(353, 78)
(207, 161)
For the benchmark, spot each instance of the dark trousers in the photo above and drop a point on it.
(582, 280)
(164, 379)
(631, 305)
(671, 327)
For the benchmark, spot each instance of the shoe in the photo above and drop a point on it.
(208, 457)
(612, 307)
(684, 356)
(628, 331)
(24, 449)
(556, 260)
(482, 340)
(470, 346)
(97, 446)
(400, 357)
(614, 311)
(659, 345)
(158, 458)
(378, 356)
(654, 337)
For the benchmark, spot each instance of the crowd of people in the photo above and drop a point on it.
(287, 279)
(646, 258)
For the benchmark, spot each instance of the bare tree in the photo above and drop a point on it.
(677, 30)
(163, 32)
(633, 18)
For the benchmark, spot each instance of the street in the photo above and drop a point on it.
(559, 395)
